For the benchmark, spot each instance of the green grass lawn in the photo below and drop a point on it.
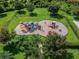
(42, 14)
(4, 20)
(74, 52)
(19, 56)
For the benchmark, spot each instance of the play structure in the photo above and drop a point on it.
(43, 28)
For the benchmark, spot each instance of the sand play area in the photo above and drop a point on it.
(43, 28)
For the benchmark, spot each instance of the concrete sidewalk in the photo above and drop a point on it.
(76, 22)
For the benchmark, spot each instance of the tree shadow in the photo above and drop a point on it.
(10, 9)
(56, 16)
(65, 56)
(33, 14)
(3, 15)
(21, 12)
(68, 56)
(76, 18)
(72, 47)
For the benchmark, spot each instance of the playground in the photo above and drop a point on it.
(43, 28)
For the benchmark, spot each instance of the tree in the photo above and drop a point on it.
(54, 46)
(66, 8)
(32, 47)
(4, 34)
(15, 46)
(75, 10)
(6, 55)
(18, 5)
(30, 8)
(5, 4)
(26, 44)
(24, 1)
(53, 9)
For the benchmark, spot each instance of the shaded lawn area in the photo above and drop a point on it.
(42, 14)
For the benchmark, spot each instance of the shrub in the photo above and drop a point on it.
(30, 7)
(1, 9)
(53, 9)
